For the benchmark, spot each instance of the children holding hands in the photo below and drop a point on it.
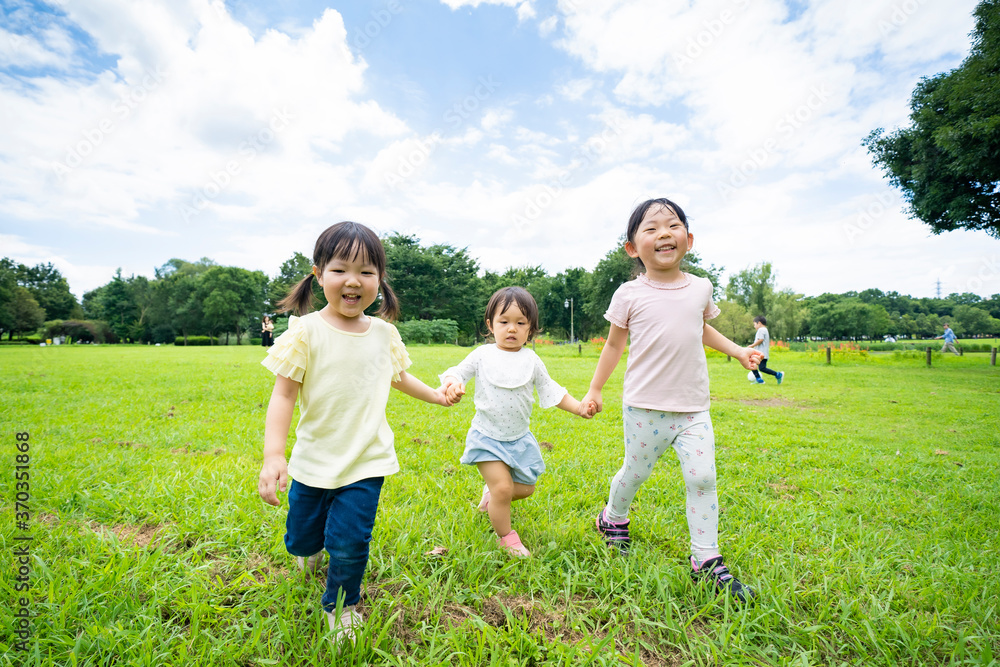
(499, 442)
(340, 364)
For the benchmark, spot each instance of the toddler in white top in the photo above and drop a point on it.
(499, 442)
(665, 396)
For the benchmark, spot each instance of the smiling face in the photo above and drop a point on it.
(350, 285)
(660, 241)
(511, 328)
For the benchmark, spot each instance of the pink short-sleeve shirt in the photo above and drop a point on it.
(666, 368)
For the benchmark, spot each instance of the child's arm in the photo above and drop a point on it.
(274, 472)
(610, 355)
(578, 408)
(411, 386)
(747, 356)
(453, 380)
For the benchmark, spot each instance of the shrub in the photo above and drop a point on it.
(841, 352)
(195, 340)
(94, 331)
(163, 333)
(428, 331)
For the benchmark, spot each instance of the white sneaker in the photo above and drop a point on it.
(310, 565)
(346, 625)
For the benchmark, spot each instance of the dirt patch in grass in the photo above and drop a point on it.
(142, 536)
(503, 611)
(774, 402)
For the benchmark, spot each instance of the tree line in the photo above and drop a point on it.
(444, 284)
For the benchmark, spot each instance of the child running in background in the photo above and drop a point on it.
(762, 343)
(499, 443)
(340, 363)
(665, 397)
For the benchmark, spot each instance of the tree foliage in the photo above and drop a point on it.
(753, 288)
(947, 163)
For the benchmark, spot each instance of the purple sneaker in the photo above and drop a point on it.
(724, 581)
(615, 533)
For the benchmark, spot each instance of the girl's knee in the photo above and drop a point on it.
(502, 490)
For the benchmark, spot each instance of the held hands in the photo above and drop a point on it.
(273, 478)
(453, 391)
(587, 409)
(593, 401)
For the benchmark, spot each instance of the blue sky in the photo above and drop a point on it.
(524, 130)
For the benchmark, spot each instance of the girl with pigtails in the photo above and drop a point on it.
(339, 364)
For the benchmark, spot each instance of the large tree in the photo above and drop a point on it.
(27, 314)
(8, 282)
(232, 298)
(438, 282)
(50, 289)
(947, 163)
(753, 288)
(292, 270)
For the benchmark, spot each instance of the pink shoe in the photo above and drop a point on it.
(511, 543)
(484, 502)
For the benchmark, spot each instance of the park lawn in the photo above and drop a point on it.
(859, 499)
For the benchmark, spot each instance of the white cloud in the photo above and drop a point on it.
(457, 4)
(525, 11)
(197, 114)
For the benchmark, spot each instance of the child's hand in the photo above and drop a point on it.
(455, 391)
(749, 358)
(587, 409)
(273, 478)
(593, 398)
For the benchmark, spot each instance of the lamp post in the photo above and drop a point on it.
(569, 304)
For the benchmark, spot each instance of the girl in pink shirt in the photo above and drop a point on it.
(665, 398)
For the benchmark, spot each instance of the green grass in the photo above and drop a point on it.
(859, 499)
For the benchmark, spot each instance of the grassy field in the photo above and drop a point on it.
(859, 499)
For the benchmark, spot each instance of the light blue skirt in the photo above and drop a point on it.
(522, 456)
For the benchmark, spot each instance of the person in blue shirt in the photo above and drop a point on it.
(949, 339)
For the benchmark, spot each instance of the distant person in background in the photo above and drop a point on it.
(267, 332)
(762, 343)
(949, 339)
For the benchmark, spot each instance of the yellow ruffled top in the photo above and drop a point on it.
(289, 356)
(342, 434)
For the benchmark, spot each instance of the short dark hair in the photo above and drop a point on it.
(761, 319)
(639, 213)
(505, 296)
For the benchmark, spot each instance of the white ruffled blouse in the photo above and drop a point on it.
(505, 384)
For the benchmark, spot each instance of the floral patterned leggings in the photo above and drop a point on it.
(650, 433)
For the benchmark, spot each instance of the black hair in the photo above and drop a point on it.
(505, 296)
(639, 213)
(344, 240)
(761, 319)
